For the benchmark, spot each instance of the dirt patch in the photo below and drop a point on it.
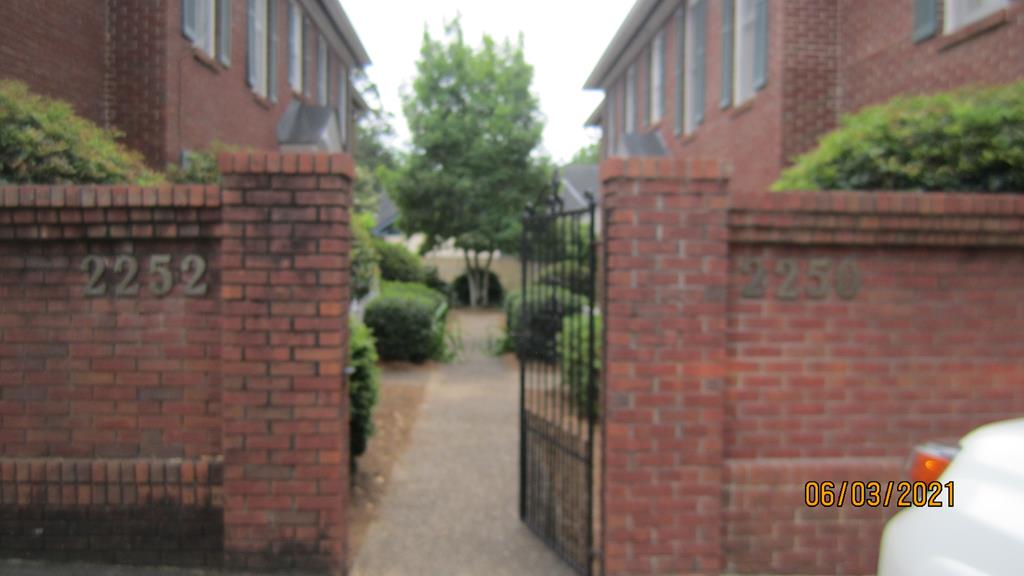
(402, 391)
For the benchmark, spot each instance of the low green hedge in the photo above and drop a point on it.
(573, 349)
(363, 386)
(969, 140)
(408, 321)
(570, 274)
(546, 307)
(397, 263)
(364, 255)
(495, 291)
(43, 141)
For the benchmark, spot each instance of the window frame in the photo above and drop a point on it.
(743, 72)
(693, 114)
(261, 48)
(629, 120)
(296, 44)
(322, 71)
(657, 78)
(343, 103)
(951, 24)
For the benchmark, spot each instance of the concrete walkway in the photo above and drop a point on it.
(451, 507)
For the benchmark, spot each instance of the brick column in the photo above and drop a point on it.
(285, 300)
(665, 355)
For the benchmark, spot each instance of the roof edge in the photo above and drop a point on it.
(347, 30)
(630, 26)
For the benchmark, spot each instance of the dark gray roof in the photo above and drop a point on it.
(387, 214)
(304, 124)
(635, 144)
(577, 180)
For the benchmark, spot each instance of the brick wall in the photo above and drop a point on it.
(57, 48)
(112, 384)
(725, 395)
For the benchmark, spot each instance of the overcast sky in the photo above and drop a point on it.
(563, 39)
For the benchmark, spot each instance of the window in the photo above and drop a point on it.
(307, 58)
(680, 60)
(751, 48)
(343, 105)
(321, 70)
(694, 104)
(658, 77)
(207, 24)
(295, 46)
(612, 127)
(262, 48)
(630, 120)
(960, 13)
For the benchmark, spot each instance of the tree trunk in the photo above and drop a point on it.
(474, 288)
(478, 278)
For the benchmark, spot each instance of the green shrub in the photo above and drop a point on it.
(363, 386)
(364, 255)
(574, 350)
(408, 321)
(398, 263)
(966, 140)
(201, 167)
(546, 306)
(42, 141)
(432, 279)
(573, 276)
(495, 291)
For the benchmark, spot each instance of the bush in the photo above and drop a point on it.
(408, 321)
(495, 291)
(433, 280)
(363, 386)
(364, 256)
(201, 167)
(42, 141)
(573, 276)
(966, 140)
(397, 263)
(573, 350)
(546, 307)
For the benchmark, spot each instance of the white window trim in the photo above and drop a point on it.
(657, 83)
(744, 31)
(295, 46)
(961, 13)
(322, 89)
(629, 122)
(205, 27)
(689, 116)
(343, 89)
(260, 47)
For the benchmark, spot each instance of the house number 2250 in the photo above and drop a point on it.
(159, 281)
(820, 277)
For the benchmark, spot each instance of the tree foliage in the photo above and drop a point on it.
(373, 150)
(589, 154)
(965, 140)
(475, 126)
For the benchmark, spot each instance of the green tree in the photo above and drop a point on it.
(589, 154)
(472, 170)
(373, 150)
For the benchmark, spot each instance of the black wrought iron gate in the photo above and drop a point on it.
(556, 334)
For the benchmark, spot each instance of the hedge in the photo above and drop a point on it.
(399, 264)
(495, 291)
(573, 349)
(42, 141)
(364, 256)
(363, 386)
(408, 321)
(574, 276)
(546, 307)
(969, 140)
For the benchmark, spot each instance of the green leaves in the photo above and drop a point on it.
(475, 126)
(966, 140)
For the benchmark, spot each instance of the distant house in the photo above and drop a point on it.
(175, 75)
(756, 83)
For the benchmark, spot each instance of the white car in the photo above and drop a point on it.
(981, 531)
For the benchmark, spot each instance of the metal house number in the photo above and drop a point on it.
(159, 279)
(821, 277)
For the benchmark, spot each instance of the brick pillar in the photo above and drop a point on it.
(285, 301)
(665, 355)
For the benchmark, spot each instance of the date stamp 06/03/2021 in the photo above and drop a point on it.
(874, 494)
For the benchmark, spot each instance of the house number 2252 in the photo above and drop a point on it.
(816, 280)
(158, 272)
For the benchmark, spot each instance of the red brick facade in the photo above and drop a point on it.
(200, 373)
(125, 64)
(883, 320)
(825, 58)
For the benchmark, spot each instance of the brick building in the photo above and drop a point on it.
(756, 83)
(175, 75)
